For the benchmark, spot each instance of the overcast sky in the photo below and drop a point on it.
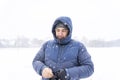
(93, 19)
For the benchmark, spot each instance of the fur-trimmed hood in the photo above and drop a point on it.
(66, 21)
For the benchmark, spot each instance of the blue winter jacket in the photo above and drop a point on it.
(65, 54)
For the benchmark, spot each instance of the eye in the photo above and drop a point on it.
(57, 30)
(64, 30)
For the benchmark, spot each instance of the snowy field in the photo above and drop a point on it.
(16, 64)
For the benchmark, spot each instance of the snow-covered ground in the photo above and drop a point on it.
(16, 64)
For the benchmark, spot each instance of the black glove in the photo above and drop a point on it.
(61, 74)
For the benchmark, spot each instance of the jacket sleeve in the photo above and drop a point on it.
(85, 68)
(38, 61)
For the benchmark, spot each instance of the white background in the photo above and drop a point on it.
(94, 19)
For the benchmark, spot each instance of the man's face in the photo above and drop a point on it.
(61, 32)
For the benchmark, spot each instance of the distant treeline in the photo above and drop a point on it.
(20, 42)
(26, 42)
(102, 43)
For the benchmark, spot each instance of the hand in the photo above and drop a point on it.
(47, 73)
(61, 74)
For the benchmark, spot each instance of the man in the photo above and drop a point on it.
(63, 58)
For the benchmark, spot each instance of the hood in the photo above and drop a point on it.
(66, 21)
